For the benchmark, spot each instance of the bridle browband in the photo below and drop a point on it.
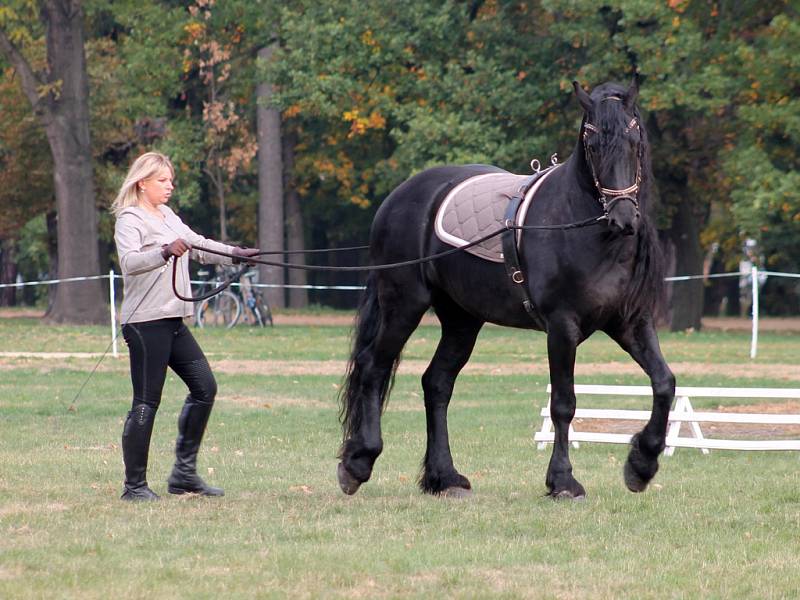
(610, 196)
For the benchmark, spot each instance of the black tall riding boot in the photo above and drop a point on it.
(135, 449)
(191, 426)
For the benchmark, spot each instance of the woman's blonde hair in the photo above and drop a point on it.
(144, 167)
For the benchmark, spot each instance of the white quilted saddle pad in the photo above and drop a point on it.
(476, 207)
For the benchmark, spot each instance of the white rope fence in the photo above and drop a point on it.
(755, 273)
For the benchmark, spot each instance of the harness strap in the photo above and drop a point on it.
(511, 257)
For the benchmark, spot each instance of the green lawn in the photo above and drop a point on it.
(718, 526)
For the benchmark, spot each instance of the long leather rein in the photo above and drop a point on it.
(251, 261)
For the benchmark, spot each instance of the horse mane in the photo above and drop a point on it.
(646, 289)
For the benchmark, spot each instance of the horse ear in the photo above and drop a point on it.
(633, 92)
(583, 97)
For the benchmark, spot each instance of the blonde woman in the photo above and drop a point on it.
(149, 236)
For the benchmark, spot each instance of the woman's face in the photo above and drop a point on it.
(157, 189)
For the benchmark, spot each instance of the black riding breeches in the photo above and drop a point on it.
(156, 345)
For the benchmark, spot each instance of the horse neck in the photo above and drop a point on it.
(583, 194)
(579, 169)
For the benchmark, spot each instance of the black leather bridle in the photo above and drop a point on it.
(609, 197)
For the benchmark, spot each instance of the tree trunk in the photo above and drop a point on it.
(8, 272)
(295, 236)
(270, 187)
(52, 254)
(63, 105)
(687, 296)
(223, 210)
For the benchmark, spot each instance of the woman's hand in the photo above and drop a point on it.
(177, 248)
(242, 254)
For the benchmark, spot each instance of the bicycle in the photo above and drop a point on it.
(226, 308)
(221, 310)
(254, 301)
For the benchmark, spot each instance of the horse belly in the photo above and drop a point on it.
(482, 288)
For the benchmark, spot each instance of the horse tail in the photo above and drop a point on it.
(365, 331)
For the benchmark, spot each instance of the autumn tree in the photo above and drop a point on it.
(761, 158)
(212, 49)
(58, 93)
(271, 191)
(26, 183)
(376, 93)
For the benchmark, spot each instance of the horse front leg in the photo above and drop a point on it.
(641, 342)
(562, 341)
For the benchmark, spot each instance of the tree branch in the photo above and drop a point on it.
(30, 82)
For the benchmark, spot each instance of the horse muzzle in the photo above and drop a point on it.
(623, 217)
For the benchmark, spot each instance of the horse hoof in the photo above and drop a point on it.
(456, 492)
(347, 482)
(632, 479)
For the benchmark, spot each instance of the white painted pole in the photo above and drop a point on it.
(113, 308)
(754, 339)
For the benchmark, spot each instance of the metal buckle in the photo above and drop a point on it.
(517, 277)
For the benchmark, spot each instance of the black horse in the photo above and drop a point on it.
(606, 277)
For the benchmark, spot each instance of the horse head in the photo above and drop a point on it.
(613, 145)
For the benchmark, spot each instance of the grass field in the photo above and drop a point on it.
(718, 526)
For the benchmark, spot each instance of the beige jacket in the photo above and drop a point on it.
(146, 276)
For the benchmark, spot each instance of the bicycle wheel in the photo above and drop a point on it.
(223, 310)
(262, 312)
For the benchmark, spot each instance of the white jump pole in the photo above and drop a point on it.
(754, 339)
(113, 308)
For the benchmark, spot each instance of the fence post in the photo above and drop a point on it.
(113, 308)
(754, 339)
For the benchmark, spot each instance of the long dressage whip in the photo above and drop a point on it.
(249, 261)
(73, 405)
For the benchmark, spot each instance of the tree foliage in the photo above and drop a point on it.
(379, 92)
(372, 92)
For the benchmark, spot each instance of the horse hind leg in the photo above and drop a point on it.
(459, 332)
(384, 325)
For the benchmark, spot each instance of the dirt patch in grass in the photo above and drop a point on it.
(13, 312)
(19, 508)
(788, 372)
(346, 319)
(269, 401)
(9, 572)
(743, 324)
(713, 430)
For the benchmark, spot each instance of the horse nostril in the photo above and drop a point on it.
(616, 224)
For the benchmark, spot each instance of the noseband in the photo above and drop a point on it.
(609, 197)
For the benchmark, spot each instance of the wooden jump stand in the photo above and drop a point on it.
(683, 412)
